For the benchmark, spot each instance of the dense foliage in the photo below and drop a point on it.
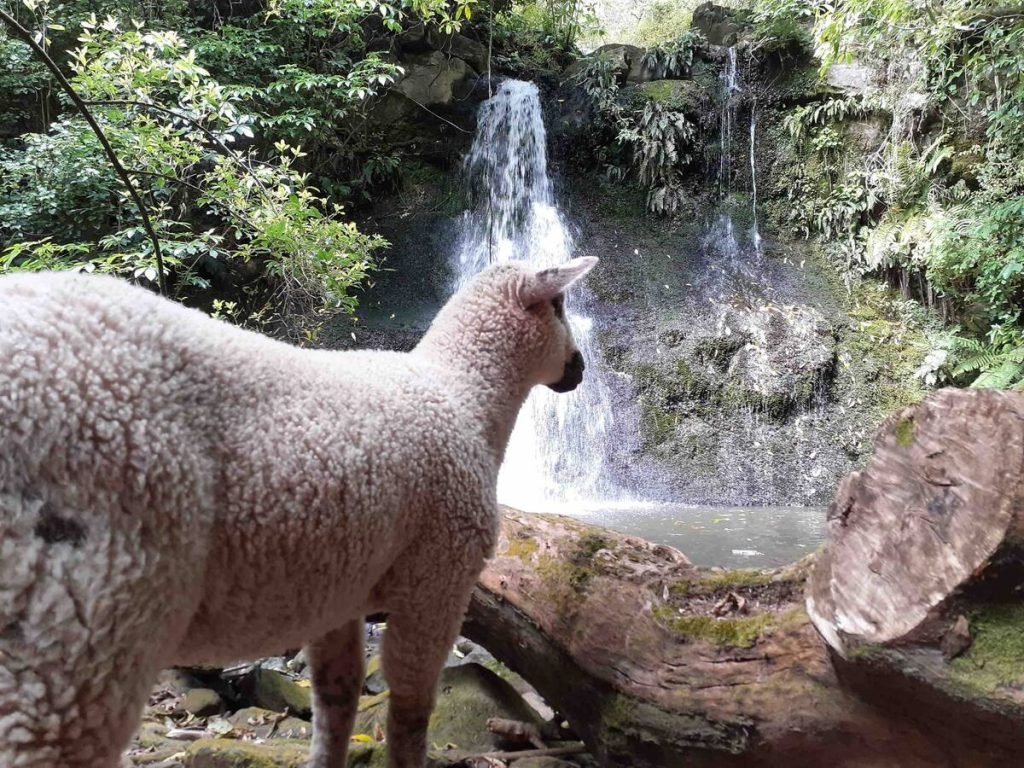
(244, 136)
(648, 141)
(939, 200)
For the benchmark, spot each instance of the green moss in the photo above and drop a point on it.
(732, 632)
(500, 670)
(882, 349)
(994, 659)
(428, 186)
(230, 753)
(617, 201)
(274, 691)
(521, 548)
(682, 95)
(363, 755)
(588, 546)
(720, 581)
(905, 433)
(657, 425)
(566, 579)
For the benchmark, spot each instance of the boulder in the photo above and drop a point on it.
(853, 79)
(178, 681)
(462, 47)
(262, 723)
(718, 24)
(201, 702)
(273, 690)
(434, 79)
(374, 682)
(231, 753)
(469, 695)
(783, 356)
(628, 60)
(425, 38)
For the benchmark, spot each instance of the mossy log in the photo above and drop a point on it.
(657, 663)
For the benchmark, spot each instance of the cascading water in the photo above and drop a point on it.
(756, 234)
(730, 87)
(734, 273)
(557, 452)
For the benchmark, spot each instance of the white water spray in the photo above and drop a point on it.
(753, 179)
(556, 455)
(730, 86)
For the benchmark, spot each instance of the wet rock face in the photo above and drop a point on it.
(737, 401)
(786, 359)
(718, 24)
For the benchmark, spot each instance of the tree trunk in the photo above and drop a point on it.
(655, 662)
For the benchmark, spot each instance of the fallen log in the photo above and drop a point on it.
(621, 637)
(656, 663)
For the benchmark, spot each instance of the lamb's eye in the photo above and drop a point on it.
(559, 304)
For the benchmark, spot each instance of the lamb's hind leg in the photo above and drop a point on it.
(336, 663)
(83, 621)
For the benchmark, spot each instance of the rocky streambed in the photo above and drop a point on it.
(257, 715)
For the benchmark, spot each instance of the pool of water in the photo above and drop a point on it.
(731, 537)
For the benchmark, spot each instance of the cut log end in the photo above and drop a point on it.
(940, 498)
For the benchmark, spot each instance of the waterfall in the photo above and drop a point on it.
(557, 451)
(730, 87)
(756, 235)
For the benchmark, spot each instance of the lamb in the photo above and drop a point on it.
(169, 483)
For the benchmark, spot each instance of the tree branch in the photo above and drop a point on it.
(25, 36)
(192, 121)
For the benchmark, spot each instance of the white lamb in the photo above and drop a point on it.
(174, 490)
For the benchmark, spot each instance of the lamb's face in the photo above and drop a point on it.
(562, 363)
(556, 360)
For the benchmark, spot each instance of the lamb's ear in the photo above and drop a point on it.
(547, 283)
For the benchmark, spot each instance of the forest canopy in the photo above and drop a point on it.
(245, 127)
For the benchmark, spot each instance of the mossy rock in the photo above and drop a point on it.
(202, 702)
(260, 722)
(992, 664)
(374, 681)
(363, 755)
(469, 695)
(741, 632)
(272, 690)
(679, 95)
(229, 753)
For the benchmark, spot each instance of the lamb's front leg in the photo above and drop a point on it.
(336, 664)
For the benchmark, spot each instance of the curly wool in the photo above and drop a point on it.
(174, 490)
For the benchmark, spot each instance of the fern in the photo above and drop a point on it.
(673, 59)
(989, 365)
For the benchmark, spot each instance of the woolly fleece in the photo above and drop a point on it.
(170, 484)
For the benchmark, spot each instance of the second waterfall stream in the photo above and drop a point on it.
(557, 454)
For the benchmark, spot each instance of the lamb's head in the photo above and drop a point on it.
(519, 315)
(509, 324)
(545, 339)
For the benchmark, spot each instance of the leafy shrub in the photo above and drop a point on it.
(175, 127)
(674, 58)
